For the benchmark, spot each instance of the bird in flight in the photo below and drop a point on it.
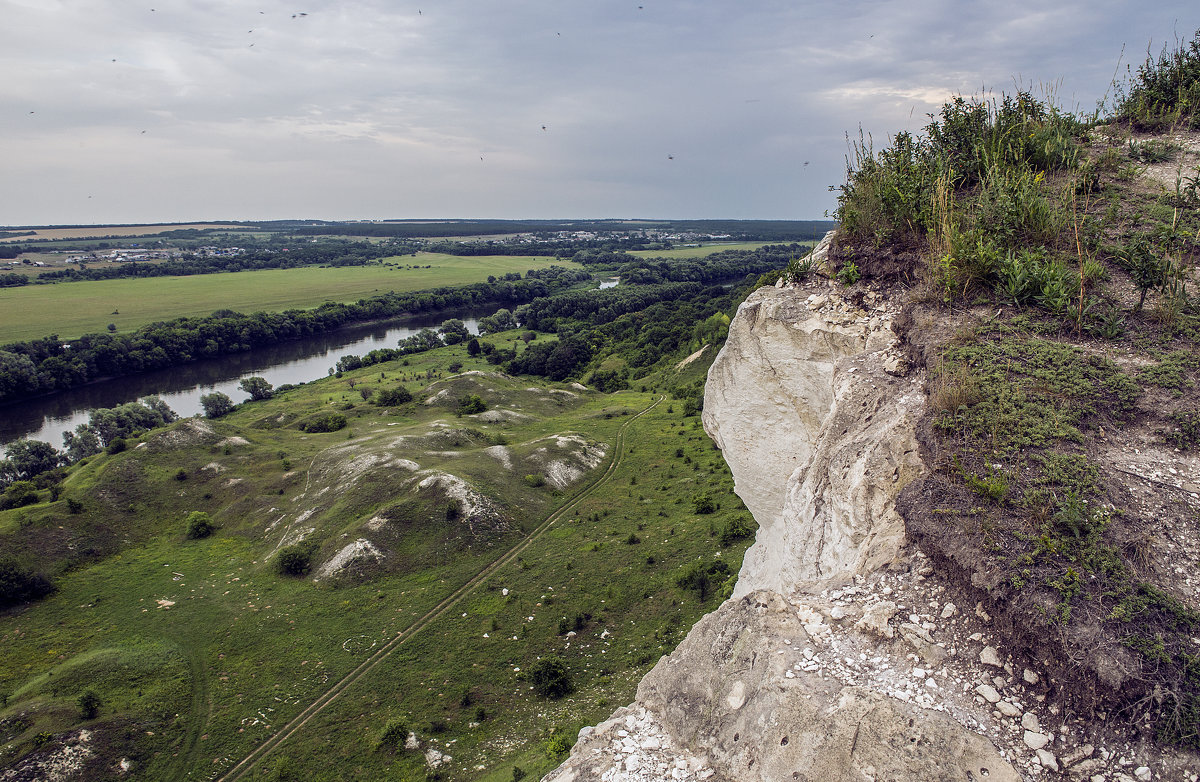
(543, 126)
(670, 157)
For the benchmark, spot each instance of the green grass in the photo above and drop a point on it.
(194, 687)
(73, 308)
(707, 248)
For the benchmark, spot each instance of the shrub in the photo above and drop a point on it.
(393, 736)
(703, 577)
(551, 679)
(703, 504)
(257, 387)
(735, 530)
(391, 397)
(295, 560)
(199, 525)
(323, 422)
(116, 446)
(1165, 90)
(216, 404)
(89, 705)
(535, 481)
(557, 746)
(471, 404)
(74, 505)
(19, 494)
(19, 584)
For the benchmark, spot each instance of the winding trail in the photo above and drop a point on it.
(317, 706)
(201, 712)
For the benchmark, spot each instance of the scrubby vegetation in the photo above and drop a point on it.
(1034, 229)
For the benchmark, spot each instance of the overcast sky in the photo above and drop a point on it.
(174, 110)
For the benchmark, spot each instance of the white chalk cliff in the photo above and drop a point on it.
(810, 671)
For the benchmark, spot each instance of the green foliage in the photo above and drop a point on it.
(557, 747)
(216, 404)
(1165, 91)
(471, 404)
(1184, 433)
(328, 421)
(393, 736)
(89, 705)
(392, 397)
(703, 504)
(535, 480)
(849, 274)
(20, 584)
(19, 494)
(295, 560)
(551, 679)
(199, 525)
(703, 578)
(737, 529)
(257, 387)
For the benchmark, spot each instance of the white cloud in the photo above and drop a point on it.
(384, 109)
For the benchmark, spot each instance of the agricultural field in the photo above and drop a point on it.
(699, 251)
(452, 551)
(70, 309)
(104, 232)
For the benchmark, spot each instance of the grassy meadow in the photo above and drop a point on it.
(70, 309)
(202, 654)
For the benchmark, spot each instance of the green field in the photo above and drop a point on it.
(203, 657)
(73, 308)
(708, 248)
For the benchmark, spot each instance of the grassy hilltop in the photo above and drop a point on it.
(438, 554)
(1049, 262)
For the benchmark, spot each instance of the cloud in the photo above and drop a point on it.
(384, 109)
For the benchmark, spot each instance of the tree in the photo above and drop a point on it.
(454, 331)
(81, 443)
(27, 458)
(216, 404)
(257, 387)
(89, 705)
(550, 678)
(473, 348)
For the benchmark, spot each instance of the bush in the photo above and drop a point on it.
(393, 737)
(199, 525)
(703, 504)
(703, 577)
(19, 494)
(89, 705)
(116, 446)
(391, 397)
(19, 584)
(535, 481)
(551, 679)
(216, 404)
(295, 560)
(471, 404)
(323, 422)
(735, 530)
(257, 387)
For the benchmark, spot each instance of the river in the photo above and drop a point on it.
(181, 387)
(298, 361)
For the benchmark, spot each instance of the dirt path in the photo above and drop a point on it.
(330, 695)
(201, 711)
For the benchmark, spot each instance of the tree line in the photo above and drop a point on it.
(47, 365)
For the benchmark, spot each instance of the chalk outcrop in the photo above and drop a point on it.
(808, 409)
(808, 671)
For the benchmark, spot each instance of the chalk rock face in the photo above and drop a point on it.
(722, 707)
(819, 435)
(810, 406)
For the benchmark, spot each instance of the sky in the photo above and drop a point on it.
(164, 110)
